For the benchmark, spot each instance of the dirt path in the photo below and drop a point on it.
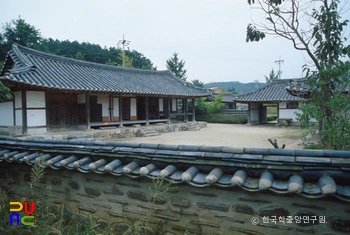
(230, 135)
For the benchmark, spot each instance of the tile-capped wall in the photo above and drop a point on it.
(111, 200)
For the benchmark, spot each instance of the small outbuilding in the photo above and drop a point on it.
(57, 93)
(273, 93)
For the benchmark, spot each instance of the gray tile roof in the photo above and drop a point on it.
(273, 92)
(309, 173)
(227, 98)
(299, 87)
(43, 70)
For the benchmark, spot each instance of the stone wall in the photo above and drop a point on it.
(114, 200)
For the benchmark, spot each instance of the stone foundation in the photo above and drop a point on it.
(112, 133)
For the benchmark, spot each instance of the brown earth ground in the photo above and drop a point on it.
(232, 135)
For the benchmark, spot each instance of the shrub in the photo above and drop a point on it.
(271, 118)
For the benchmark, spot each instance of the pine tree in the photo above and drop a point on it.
(176, 66)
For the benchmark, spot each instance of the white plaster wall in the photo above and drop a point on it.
(116, 107)
(161, 105)
(254, 112)
(173, 105)
(36, 117)
(103, 99)
(282, 105)
(36, 99)
(133, 107)
(6, 110)
(18, 120)
(18, 100)
(288, 113)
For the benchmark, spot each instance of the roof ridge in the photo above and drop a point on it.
(46, 55)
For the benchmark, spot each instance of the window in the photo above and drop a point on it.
(292, 105)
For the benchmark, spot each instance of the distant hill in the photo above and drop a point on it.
(241, 88)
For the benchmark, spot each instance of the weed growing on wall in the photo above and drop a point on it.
(48, 219)
(143, 226)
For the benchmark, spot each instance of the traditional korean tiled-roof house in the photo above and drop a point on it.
(57, 93)
(273, 93)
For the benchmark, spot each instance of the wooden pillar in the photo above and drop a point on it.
(183, 109)
(186, 110)
(87, 109)
(24, 112)
(193, 110)
(120, 111)
(146, 111)
(47, 111)
(110, 108)
(169, 108)
(249, 114)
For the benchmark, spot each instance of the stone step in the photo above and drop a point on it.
(195, 128)
(150, 133)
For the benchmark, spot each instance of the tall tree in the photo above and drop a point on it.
(315, 27)
(126, 61)
(198, 83)
(176, 66)
(18, 31)
(272, 76)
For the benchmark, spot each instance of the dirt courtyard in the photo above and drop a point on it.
(233, 135)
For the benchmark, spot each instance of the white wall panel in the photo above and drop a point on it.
(282, 105)
(161, 105)
(35, 99)
(6, 110)
(173, 105)
(254, 112)
(133, 107)
(104, 100)
(18, 100)
(288, 113)
(116, 107)
(36, 117)
(19, 120)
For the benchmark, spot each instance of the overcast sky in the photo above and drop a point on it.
(208, 34)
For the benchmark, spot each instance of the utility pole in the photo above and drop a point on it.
(124, 43)
(279, 62)
(256, 84)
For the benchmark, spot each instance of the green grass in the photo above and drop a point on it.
(4, 133)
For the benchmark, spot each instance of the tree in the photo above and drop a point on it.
(272, 76)
(315, 28)
(125, 60)
(232, 90)
(18, 31)
(212, 107)
(176, 66)
(5, 93)
(79, 56)
(197, 83)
